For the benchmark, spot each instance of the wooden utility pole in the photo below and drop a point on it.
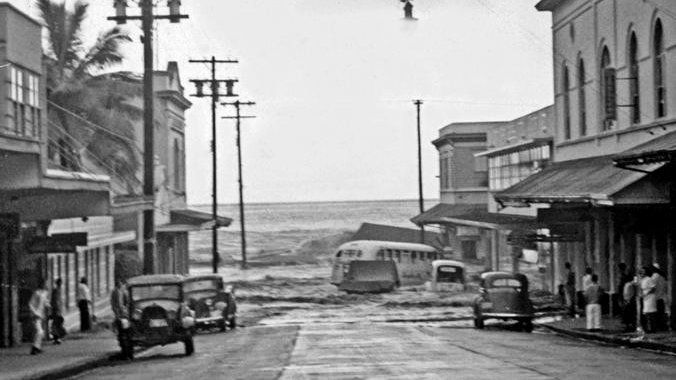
(214, 84)
(239, 117)
(421, 201)
(147, 18)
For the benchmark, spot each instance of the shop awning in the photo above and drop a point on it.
(659, 150)
(471, 215)
(525, 144)
(594, 180)
(187, 220)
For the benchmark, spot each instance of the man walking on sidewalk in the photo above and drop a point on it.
(38, 305)
(58, 331)
(593, 309)
(84, 301)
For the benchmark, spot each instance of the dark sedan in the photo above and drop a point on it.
(503, 296)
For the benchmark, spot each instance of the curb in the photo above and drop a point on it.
(74, 369)
(648, 345)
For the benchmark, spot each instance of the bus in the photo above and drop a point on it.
(413, 261)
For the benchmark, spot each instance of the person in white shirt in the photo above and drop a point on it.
(647, 285)
(84, 301)
(587, 279)
(38, 305)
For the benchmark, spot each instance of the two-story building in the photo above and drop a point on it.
(54, 222)
(614, 98)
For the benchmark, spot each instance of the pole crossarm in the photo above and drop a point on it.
(214, 84)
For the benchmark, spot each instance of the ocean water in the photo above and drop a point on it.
(283, 227)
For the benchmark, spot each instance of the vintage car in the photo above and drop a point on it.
(503, 296)
(213, 303)
(157, 314)
(370, 276)
(447, 276)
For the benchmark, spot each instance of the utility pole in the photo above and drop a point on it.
(214, 95)
(421, 201)
(239, 117)
(147, 18)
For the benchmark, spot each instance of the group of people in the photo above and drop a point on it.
(45, 307)
(648, 288)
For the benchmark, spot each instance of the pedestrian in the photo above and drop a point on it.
(647, 285)
(629, 305)
(408, 9)
(587, 279)
(570, 290)
(660, 298)
(38, 306)
(119, 305)
(84, 302)
(593, 308)
(58, 331)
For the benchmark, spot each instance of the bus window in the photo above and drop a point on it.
(339, 254)
(358, 253)
(389, 254)
(397, 254)
(380, 255)
(413, 256)
(430, 256)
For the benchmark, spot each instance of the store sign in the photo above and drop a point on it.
(58, 243)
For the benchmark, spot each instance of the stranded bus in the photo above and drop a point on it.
(413, 261)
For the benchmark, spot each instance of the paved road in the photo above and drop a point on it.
(390, 351)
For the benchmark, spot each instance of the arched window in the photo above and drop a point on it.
(566, 104)
(582, 96)
(607, 82)
(658, 59)
(177, 165)
(634, 80)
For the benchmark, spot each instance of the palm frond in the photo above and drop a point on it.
(104, 53)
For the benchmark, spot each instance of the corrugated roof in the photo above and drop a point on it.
(581, 180)
(469, 214)
(369, 231)
(660, 149)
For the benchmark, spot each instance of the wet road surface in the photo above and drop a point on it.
(389, 351)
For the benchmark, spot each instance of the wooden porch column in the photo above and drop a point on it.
(601, 252)
(639, 328)
(588, 248)
(495, 255)
(653, 249)
(612, 256)
(671, 272)
(578, 262)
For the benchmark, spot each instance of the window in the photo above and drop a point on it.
(658, 61)
(23, 115)
(414, 256)
(608, 100)
(508, 169)
(444, 175)
(397, 255)
(582, 97)
(178, 184)
(634, 80)
(380, 255)
(566, 104)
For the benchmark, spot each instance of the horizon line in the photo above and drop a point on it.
(317, 201)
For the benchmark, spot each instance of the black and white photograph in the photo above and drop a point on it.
(337, 189)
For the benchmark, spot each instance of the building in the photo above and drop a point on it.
(54, 221)
(615, 104)
(173, 219)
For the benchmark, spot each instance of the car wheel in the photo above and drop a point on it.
(478, 323)
(222, 324)
(233, 323)
(527, 325)
(189, 346)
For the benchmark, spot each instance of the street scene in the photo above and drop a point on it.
(322, 189)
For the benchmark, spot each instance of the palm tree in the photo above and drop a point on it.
(80, 96)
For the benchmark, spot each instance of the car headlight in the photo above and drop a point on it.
(188, 322)
(124, 323)
(208, 302)
(220, 305)
(136, 314)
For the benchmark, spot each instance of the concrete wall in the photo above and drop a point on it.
(580, 31)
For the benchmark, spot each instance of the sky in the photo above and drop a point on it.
(334, 82)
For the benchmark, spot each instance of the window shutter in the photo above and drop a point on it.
(610, 93)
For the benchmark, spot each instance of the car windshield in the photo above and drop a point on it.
(449, 274)
(209, 285)
(506, 283)
(151, 292)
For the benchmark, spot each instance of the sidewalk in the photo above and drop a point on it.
(613, 333)
(78, 352)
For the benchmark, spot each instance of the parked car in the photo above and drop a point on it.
(214, 304)
(447, 276)
(503, 296)
(370, 276)
(158, 314)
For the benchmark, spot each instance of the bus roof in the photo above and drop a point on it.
(437, 263)
(386, 244)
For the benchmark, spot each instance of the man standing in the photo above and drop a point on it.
(593, 309)
(119, 304)
(660, 297)
(570, 289)
(38, 305)
(647, 285)
(58, 332)
(84, 301)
